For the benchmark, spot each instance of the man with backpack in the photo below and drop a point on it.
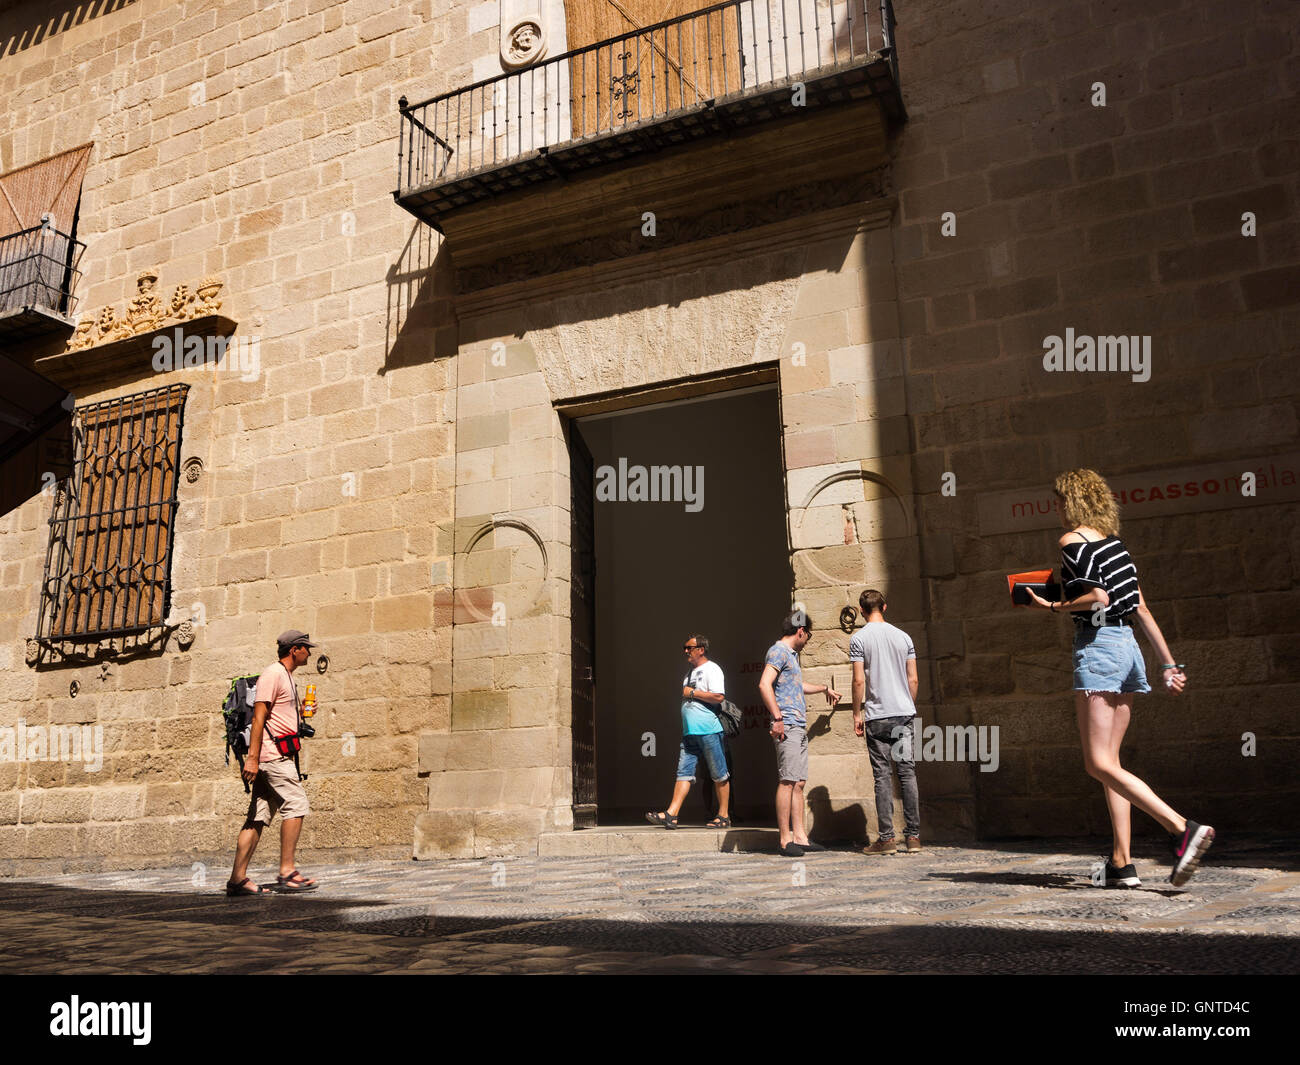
(271, 766)
(702, 691)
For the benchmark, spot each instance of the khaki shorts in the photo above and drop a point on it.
(792, 754)
(277, 788)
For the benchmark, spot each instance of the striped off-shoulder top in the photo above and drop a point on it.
(1102, 564)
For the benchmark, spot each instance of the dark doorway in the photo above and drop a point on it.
(712, 559)
(582, 612)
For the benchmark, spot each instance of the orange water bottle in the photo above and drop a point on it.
(309, 702)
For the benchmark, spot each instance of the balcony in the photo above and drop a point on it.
(714, 72)
(39, 268)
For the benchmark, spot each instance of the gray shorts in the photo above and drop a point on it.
(792, 754)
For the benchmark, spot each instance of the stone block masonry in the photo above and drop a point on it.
(396, 479)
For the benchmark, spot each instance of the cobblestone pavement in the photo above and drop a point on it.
(1006, 908)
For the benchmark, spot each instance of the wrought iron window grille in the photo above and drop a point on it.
(108, 562)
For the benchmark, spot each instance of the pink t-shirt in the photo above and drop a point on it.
(274, 686)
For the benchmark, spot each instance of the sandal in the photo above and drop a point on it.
(719, 822)
(244, 887)
(662, 819)
(295, 882)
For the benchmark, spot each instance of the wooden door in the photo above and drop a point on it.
(646, 75)
(582, 613)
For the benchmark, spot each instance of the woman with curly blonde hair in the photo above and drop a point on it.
(1102, 596)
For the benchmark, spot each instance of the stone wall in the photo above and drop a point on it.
(352, 488)
(797, 297)
(255, 143)
(1125, 218)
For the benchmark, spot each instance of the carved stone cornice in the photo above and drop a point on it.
(779, 206)
(128, 359)
(146, 312)
(770, 187)
(117, 341)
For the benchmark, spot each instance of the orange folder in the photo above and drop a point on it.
(1040, 580)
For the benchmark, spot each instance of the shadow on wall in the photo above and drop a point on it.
(827, 823)
(29, 24)
(421, 313)
(652, 286)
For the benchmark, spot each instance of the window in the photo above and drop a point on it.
(39, 253)
(108, 566)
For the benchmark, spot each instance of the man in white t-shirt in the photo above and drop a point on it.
(702, 689)
(884, 705)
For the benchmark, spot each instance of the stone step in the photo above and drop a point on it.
(647, 839)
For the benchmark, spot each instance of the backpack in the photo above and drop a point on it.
(729, 716)
(238, 713)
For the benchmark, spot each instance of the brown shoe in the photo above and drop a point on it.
(882, 846)
(913, 844)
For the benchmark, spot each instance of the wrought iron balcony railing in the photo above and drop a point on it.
(39, 268)
(725, 66)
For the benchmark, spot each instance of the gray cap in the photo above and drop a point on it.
(292, 636)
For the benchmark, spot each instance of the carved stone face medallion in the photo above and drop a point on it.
(524, 45)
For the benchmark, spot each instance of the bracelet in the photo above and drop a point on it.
(1172, 665)
(1052, 608)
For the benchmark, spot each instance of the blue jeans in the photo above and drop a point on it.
(889, 740)
(709, 748)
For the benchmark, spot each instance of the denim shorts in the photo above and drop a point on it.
(1108, 659)
(708, 747)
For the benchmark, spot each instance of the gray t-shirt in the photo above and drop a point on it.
(883, 651)
(788, 686)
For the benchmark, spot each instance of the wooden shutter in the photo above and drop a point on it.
(648, 74)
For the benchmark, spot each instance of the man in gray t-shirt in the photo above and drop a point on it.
(885, 683)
